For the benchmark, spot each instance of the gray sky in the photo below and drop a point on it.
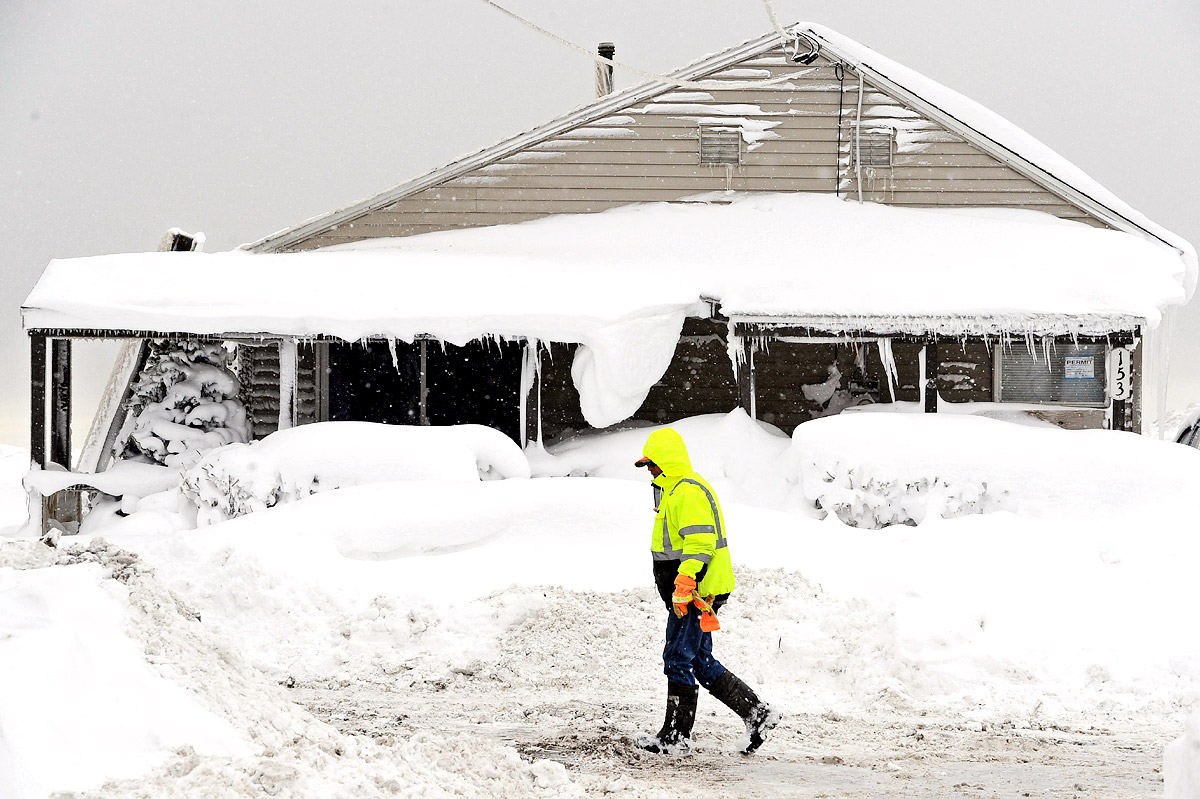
(123, 118)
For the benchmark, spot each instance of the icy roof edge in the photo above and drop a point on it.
(581, 115)
(952, 326)
(1063, 178)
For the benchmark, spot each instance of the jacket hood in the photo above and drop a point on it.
(666, 448)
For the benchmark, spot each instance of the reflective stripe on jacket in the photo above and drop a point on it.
(688, 524)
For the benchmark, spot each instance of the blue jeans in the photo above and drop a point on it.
(687, 656)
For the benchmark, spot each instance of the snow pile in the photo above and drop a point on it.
(899, 468)
(492, 607)
(286, 466)
(76, 680)
(129, 480)
(345, 584)
(1181, 763)
(14, 463)
(739, 455)
(292, 464)
(184, 404)
(153, 690)
(875, 469)
(861, 498)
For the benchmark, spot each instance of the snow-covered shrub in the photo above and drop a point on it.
(184, 404)
(876, 470)
(293, 464)
(862, 498)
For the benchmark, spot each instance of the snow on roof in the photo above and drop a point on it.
(621, 282)
(1001, 137)
(985, 128)
(799, 256)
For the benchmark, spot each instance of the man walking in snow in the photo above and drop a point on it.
(691, 561)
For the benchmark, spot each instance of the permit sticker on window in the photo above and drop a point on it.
(1080, 367)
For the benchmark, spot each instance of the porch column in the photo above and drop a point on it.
(745, 378)
(60, 402)
(423, 396)
(929, 371)
(287, 383)
(37, 399)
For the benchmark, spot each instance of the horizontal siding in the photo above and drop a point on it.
(788, 165)
(685, 145)
(650, 153)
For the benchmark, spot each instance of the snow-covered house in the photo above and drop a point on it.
(791, 226)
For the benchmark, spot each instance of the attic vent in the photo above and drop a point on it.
(720, 144)
(875, 149)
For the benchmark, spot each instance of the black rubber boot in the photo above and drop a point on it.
(758, 716)
(675, 737)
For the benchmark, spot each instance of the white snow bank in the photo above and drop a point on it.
(292, 464)
(79, 701)
(355, 576)
(1181, 762)
(14, 463)
(741, 457)
(123, 478)
(1002, 616)
(75, 682)
(876, 469)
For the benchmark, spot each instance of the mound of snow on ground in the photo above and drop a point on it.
(877, 469)
(103, 661)
(14, 463)
(291, 464)
(528, 605)
(740, 456)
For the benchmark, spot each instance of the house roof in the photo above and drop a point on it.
(975, 123)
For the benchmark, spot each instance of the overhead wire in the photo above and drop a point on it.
(711, 83)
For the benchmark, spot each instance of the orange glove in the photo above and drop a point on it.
(684, 588)
(708, 616)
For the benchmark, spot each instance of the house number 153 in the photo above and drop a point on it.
(1120, 377)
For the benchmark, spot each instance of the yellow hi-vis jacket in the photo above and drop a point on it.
(688, 524)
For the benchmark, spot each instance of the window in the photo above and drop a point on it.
(874, 148)
(720, 144)
(1074, 375)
